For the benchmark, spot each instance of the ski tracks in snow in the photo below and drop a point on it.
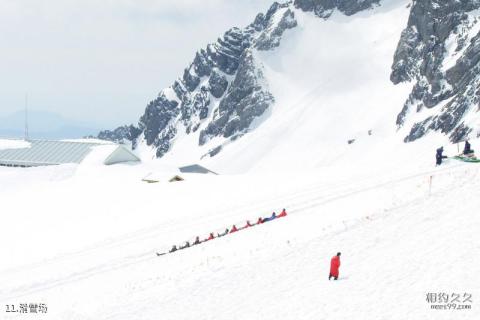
(299, 202)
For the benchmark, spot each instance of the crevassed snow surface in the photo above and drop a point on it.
(82, 239)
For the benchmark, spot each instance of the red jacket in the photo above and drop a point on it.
(234, 229)
(334, 265)
(211, 237)
(260, 221)
(282, 214)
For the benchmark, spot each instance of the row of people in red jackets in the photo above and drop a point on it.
(227, 231)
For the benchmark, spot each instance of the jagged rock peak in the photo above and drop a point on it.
(273, 27)
(245, 99)
(438, 52)
(325, 8)
(223, 89)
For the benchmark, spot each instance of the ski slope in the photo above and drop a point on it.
(92, 254)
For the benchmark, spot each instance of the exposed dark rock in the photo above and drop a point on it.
(240, 101)
(202, 64)
(215, 151)
(460, 133)
(180, 90)
(163, 142)
(420, 57)
(271, 37)
(201, 101)
(158, 115)
(190, 79)
(418, 130)
(245, 100)
(226, 52)
(188, 104)
(121, 134)
(218, 84)
(325, 8)
(467, 66)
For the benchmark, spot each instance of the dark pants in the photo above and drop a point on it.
(439, 159)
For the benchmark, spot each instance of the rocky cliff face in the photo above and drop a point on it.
(325, 8)
(221, 92)
(439, 52)
(123, 134)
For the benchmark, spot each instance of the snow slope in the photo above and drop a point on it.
(84, 243)
(82, 239)
(331, 83)
(13, 144)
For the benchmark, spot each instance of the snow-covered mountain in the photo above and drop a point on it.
(439, 52)
(410, 66)
(301, 106)
(221, 92)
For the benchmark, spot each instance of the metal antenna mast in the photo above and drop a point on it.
(26, 117)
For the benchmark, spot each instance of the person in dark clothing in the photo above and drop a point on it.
(174, 248)
(197, 241)
(223, 234)
(334, 266)
(247, 225)
(467, 150)
(187, 245)
(439, 156)
(260, 220)
(272, 217)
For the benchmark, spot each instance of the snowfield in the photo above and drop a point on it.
(82, 239)
(13, 144)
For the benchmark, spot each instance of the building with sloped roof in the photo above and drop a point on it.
(195, 168)
(33, 153)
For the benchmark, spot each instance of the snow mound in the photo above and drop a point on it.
(13, 144)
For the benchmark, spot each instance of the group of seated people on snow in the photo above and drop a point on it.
(227, 231)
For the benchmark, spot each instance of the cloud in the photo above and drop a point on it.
(105, 59)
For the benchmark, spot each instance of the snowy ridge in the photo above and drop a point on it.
(224, 93)
(236, 84)
(442, 63)
(220, 93)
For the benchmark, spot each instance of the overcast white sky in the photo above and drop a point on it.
(101, 61)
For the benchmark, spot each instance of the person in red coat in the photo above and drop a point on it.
(282, 214)
(247, 225)
(211, 237)
(334, 266)
(234, 229)
(260, 220)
